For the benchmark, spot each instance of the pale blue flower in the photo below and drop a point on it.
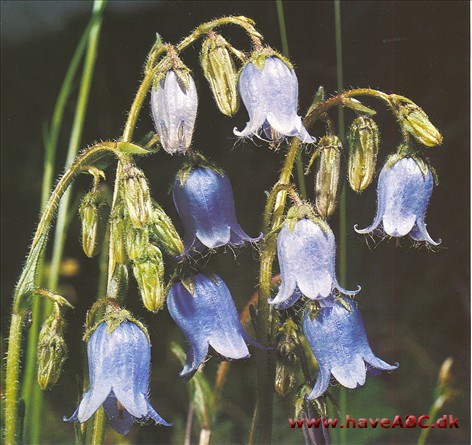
(205, 204)
(403, 193)
(306, 256)
(119, 366)
(270, 96)
(174, 111)
(208, 317)
(339, 343)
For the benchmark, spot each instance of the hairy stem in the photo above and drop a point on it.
(27, 283)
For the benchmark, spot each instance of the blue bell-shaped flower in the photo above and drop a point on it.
(269, 91)
(339, 343)
(208, 317)
(205, 202)
(306, 251)
(119, 365)
(174, 111)
(403, 193)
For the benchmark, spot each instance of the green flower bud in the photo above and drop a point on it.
(137, 241)
(136, 196)
(220, 71)
(149, 274)
(94, 211)
(163, 232)
(327, 176)
(117, 234)
(363, 148)
(415, 121)
(286, 358)
(284, 377)
(52, 352)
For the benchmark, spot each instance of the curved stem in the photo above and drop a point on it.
(26, 284)
(337, 100)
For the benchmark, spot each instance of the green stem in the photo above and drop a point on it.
(433, 413)
(98, 432)
(30, 391)
(12, 385)
(343, 203)
(266, 359)
(27, 282)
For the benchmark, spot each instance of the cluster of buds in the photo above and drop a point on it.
(135, 222)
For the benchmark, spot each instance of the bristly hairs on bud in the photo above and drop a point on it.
(364, 139)
(328, 175)
(136, 195)
(220, 71)
(415, 121)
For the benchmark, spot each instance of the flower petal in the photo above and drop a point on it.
(321, 385)
(252, 91)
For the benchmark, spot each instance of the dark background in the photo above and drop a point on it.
(415, 302)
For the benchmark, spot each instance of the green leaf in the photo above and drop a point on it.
(355, 105)
(132, 149)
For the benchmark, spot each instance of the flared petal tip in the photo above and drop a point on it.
(188, 372)
(351, 293)
(239, 237)
(368, 229)
(247, 132)
(70, 419)
(152, 414)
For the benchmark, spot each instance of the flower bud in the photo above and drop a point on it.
(94, 211)
(363, 148)
(163, 232)
(136, 196)
(220, 71)
(52, 352)
(149, 274)
(174, 103)
(117, 234)
(327, 176)
(137, 241)
(415, 121)
(286, 358)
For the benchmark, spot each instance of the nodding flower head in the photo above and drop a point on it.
(403, 193)
(306, 251)
(268, 87)
(208, 317)
(174, 110)
(119, 365)
(205, 202)
(339, 343)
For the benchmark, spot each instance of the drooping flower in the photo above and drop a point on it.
(208, 317)
(119, 366)
(339, 343)
(269, 91)
(205, 202)
(174, 109)
(403, 193)
(306, 251)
